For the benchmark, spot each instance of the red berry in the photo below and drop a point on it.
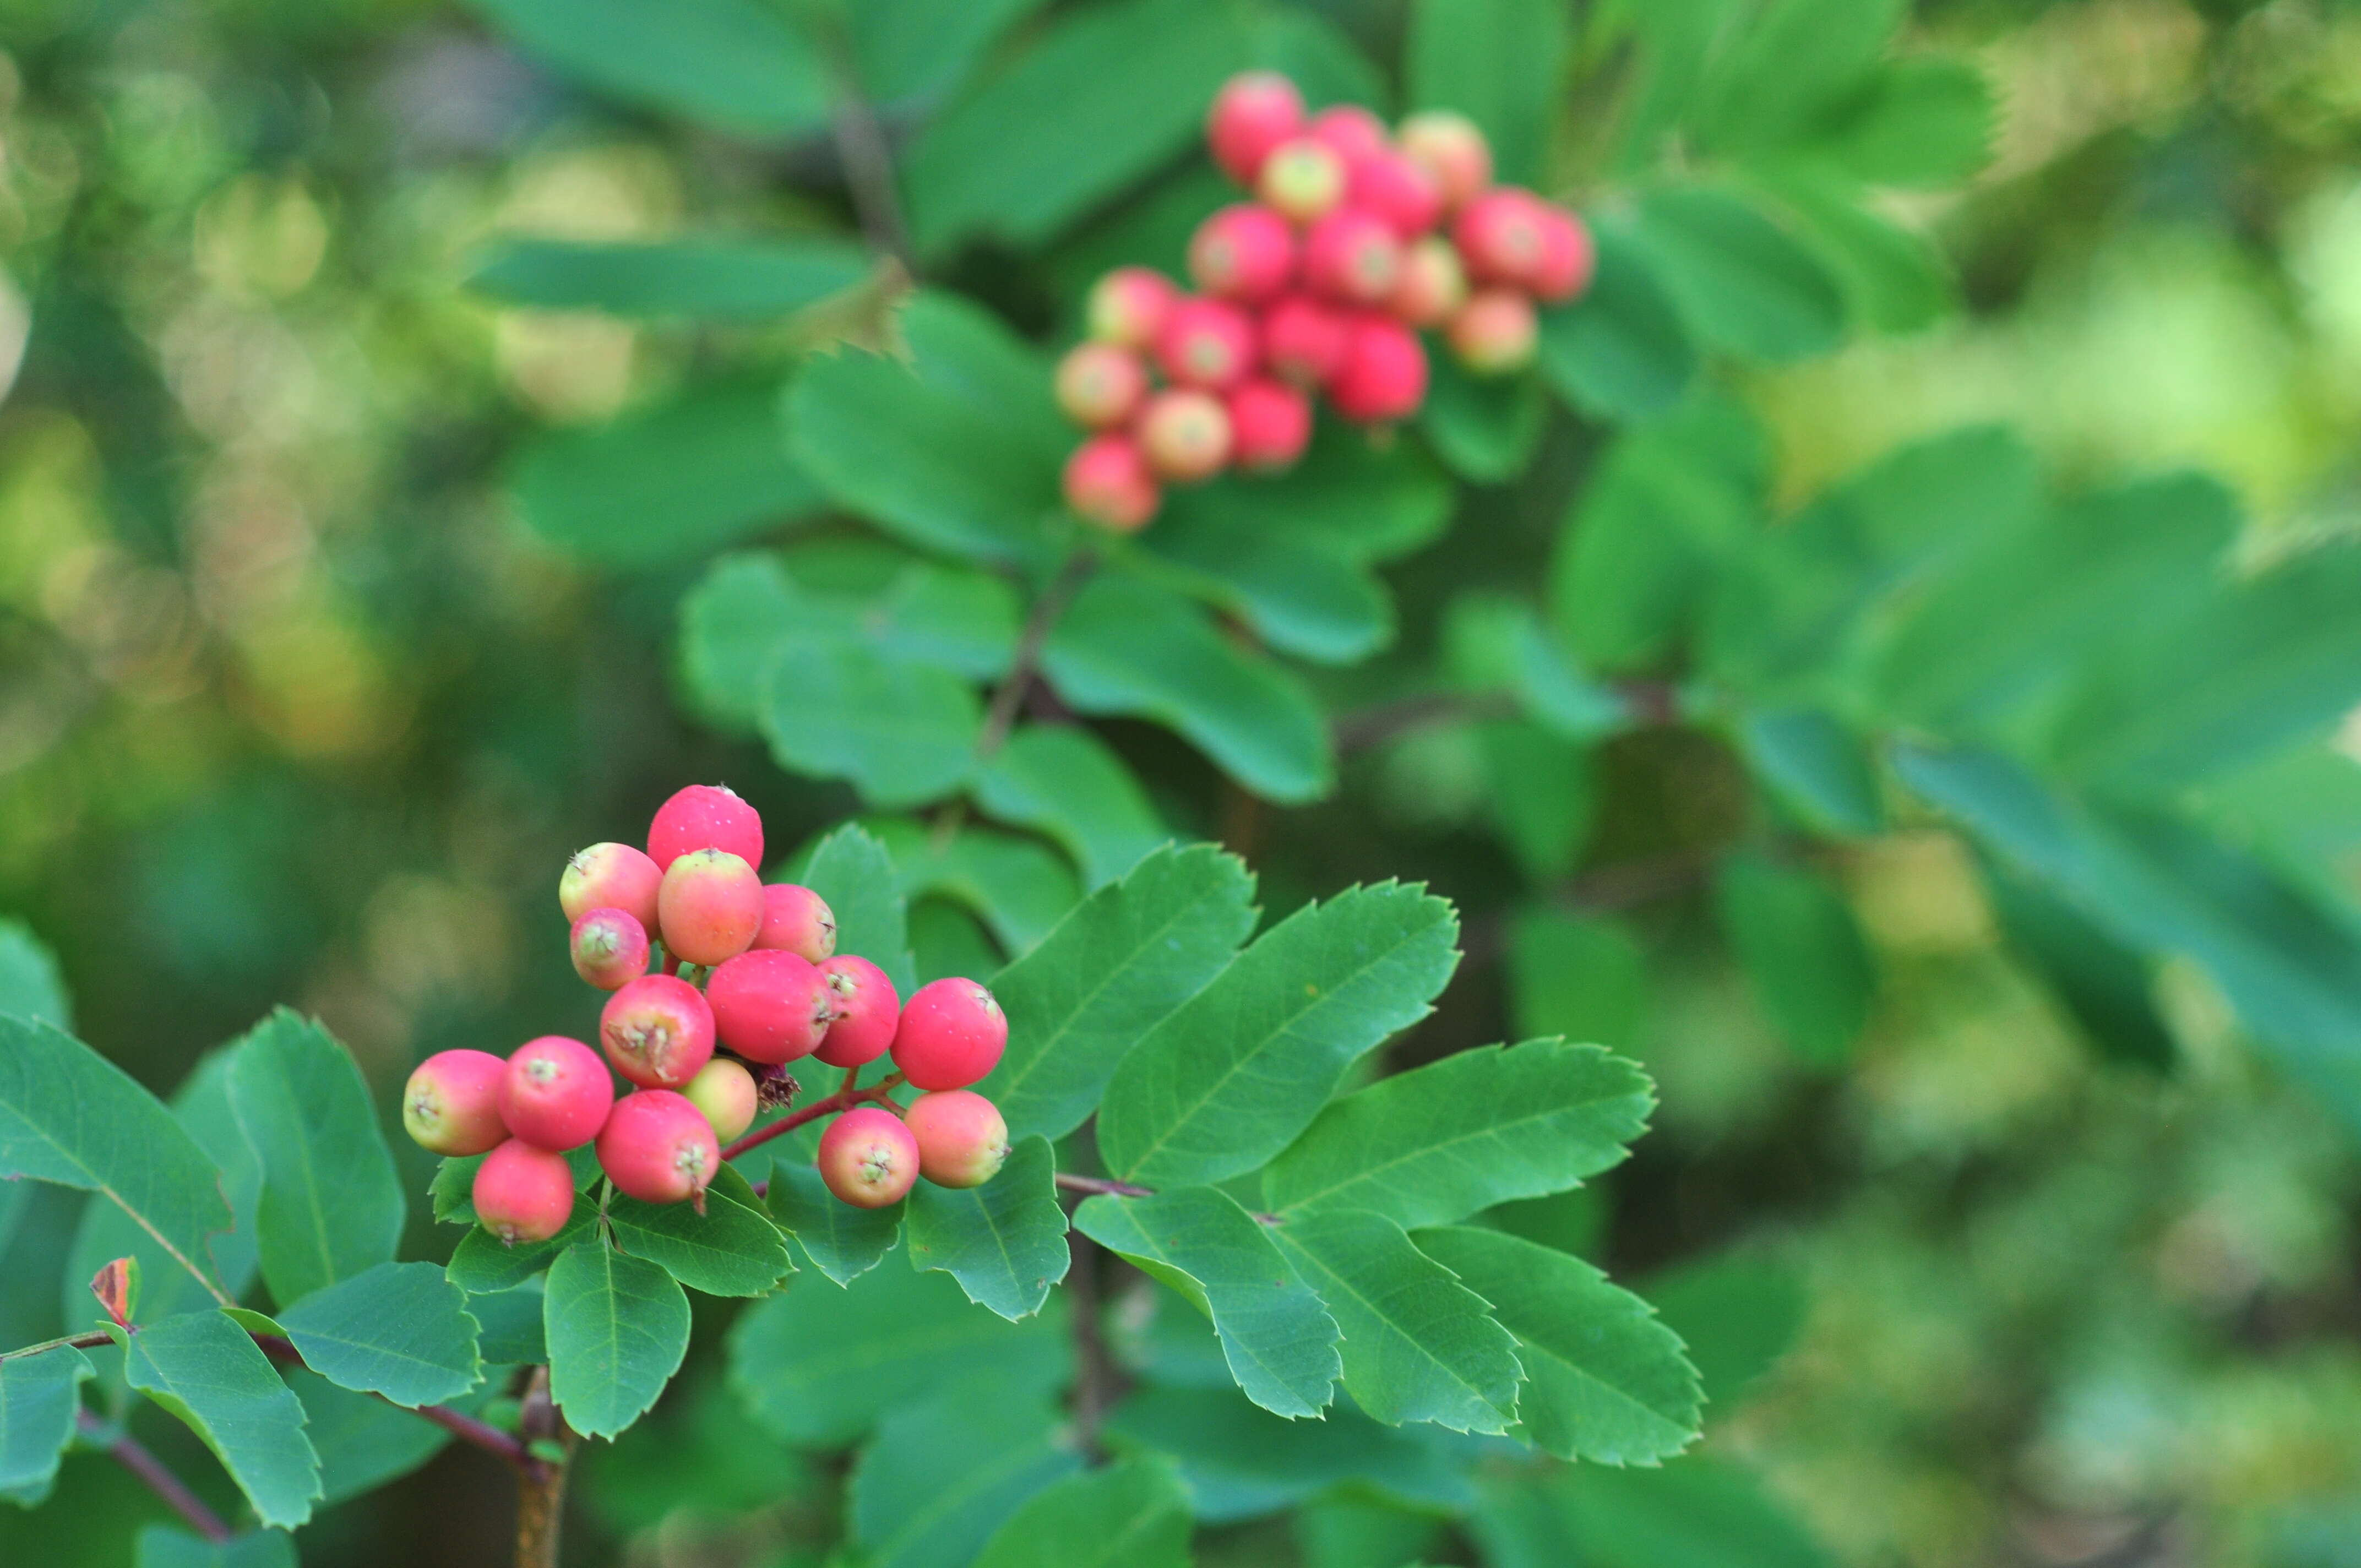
(1186, 434)
(1352, 258)
(1253, 113)
(1301, 180)
(609, 948)
(1271, 425)
(1494, 332)
(703, 817)
(868, 1158)
(1568, 257)
(1384, 374)
(709, 906)
(1453, 152)
(658, 1031)
(1499, 237)
(951, 1034)
(1206, 343)
(611, 876)
(556, 1093)
(797, 919)
(1433, 283)
(1304, 339)
(452, 1103)
(1245, 253)
(1127, 307)
(770, 1005)
(522, 1193)
(961, 1137)
(867, 1009)
(1099, 384)
(724, 1094)
(1388, 185)
(1349, 131)
(659, 1149)
(1107, 483)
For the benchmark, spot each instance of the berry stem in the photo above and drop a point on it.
(133, 1455)
(844, 1098)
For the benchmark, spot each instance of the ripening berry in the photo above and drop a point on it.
(1304, 339)
(452, 1103)
(658, 1031)
(1494, 332)
(868, 1158)
(703, 817)
(723, 1092)
(1206, 343)
(1254, 112)
(1127, 307)
(659, 1149)
(522, 1193)
(1271, 425)
(611, 876)
(1100, 385)
(1433, 283)
(1568, 257)
(951, 1034)
(1107, 482)
(1185, 434)
(1389, 186)
(770, 1005)
(1384, 374)
(709, 906)
(961, 1137)
(867, 1009)
(1349, 131)
(609, 948)
(1301, 180)
(798, 920)
(1352, 257)
(1245, 253)
(1500, 235)
(555, 1093)
(1453, 152)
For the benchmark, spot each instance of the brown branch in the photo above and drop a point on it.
(844, 1098)
(1074, 1183)
(1097, 1381)
(133, 1455)
(489, 1438)
(540, 1487)
(90, 1341)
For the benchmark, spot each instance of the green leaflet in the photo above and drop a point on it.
(162, 1546)
(734, 64)
(901, 733)
(1017, 885)
(731, 1249)
(710, 278)
(38, 1395)
(1132, 1514)
(207, 1370)
(1003, 1242)
(942, 1473)
(851, 870)
(840, 1241)
(400, 1330)
(1063, 782)
(1500, 62)
(1802, 950)
(30, 986)
(616, 1328)
(363, 1442)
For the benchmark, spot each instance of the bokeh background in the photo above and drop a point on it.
(292, 708)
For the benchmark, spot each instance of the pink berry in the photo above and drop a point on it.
(770, 1005)
(609, 948)
(868, 1158)
(867, 1009)
(1352, 257)
(1245, 253)
(1099, 384)
(1107, 482)
(703, 817)
(723, 1092)
(1253, 113)
(1499, 237)
(1207, 343)
(658, 1031)
(1384, 374)
(1186, 434)
(611, 876)
(522, 1193)
(1568, 257)
(1494, 332)
(452, 1103)
(1301, 180)
(1388, 185)
(1271, 425)
(951, 1034)
(1127, 307)
(1349, 131)
(659, 1149)
(797, 919)
(556, 1093)
(961, 1137)
(1433, 283)
(1304, 339)
(709, 906)
(1453, 152)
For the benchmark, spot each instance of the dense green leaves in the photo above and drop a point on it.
(713, 278)
(1347, 495)
(903, 734)
(840, 1241)
(1496, 61)
(1132, 1514)
(1701, 1513)
(943, 1474)
(1301, 594)
(1791, 61)
(851, 870)
(1240, 1462)
(1062, 781)
(1923, 120)
(400, 1330)
(731, 1249)
(1017, 885)
(735, 64)
(1802, 950)
(1484, 427)
(904, 48)
(1003, 1242)
(1622, 351)
(207, 1370)
(38, 1395)
(1741, 282)
(616, 1328)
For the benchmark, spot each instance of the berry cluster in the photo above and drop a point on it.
(1355, 241)
(749, 981)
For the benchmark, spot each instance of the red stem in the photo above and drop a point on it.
(134, 1456)
(843, 1099)
(489, 1438)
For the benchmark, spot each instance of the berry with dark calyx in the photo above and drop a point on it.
(709, 906)
(724, 1093)
(798, 920)
(658, 1031)
(1352, 257)
(1453, 152)
(951, 1035)
(1389, 186)
(703, 817)
(1433, 283)
(1107, 482)
(1349, 131)
(867, 1010)
(609, 948)
(1127, 307)
(770, 1005)
(659, 1149)
(1100, 385)
(556, 1093)
(522, 1193)
(1186, 434)
(1271, 425)
(1245, 253)
(611, 876)
(1304, 339)
(868, 1158)
(1501, 238)
(1568, 256)
(452, 1103)
(1494, 332)
(1301, 180)
(1384, 374)
(1254, 112)
(1207, 343)
(963, 1139)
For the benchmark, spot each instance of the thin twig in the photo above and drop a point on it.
(490, 1439)
(90, 1341)
(134, 1456)
(1097, 1379)
(867, 160)
(1074, 1183)
(1008, 697)
(842, 1100)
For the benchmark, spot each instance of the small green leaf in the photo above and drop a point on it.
(852, 871)
(941, 1475)
(400, 1330)
(1621, 351)
(484, 1265)
(208, 1371)
(1741, 282)
(1894, 279)
(909, 48)
(30, 986)
(902, 734)
(1483, 427)
(841, 1242)
(1924, 121)
(616, 1328)
(1500, 63)
(1003, 1242)
(1017, 885)
(1062, 781)
(2108, 987)
(1132, 1514)
(1493, 643)
(363, 1442)
(1816, 767)
(1541, 794)
(734, 64)
(731, 1249)
(1346, 496)
(1239, 1462)
(1301, 595)
(1802, 950)
(1577, 976)
(1794, 60)
(713, 277)
(162, 1546)
(39, 1397)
